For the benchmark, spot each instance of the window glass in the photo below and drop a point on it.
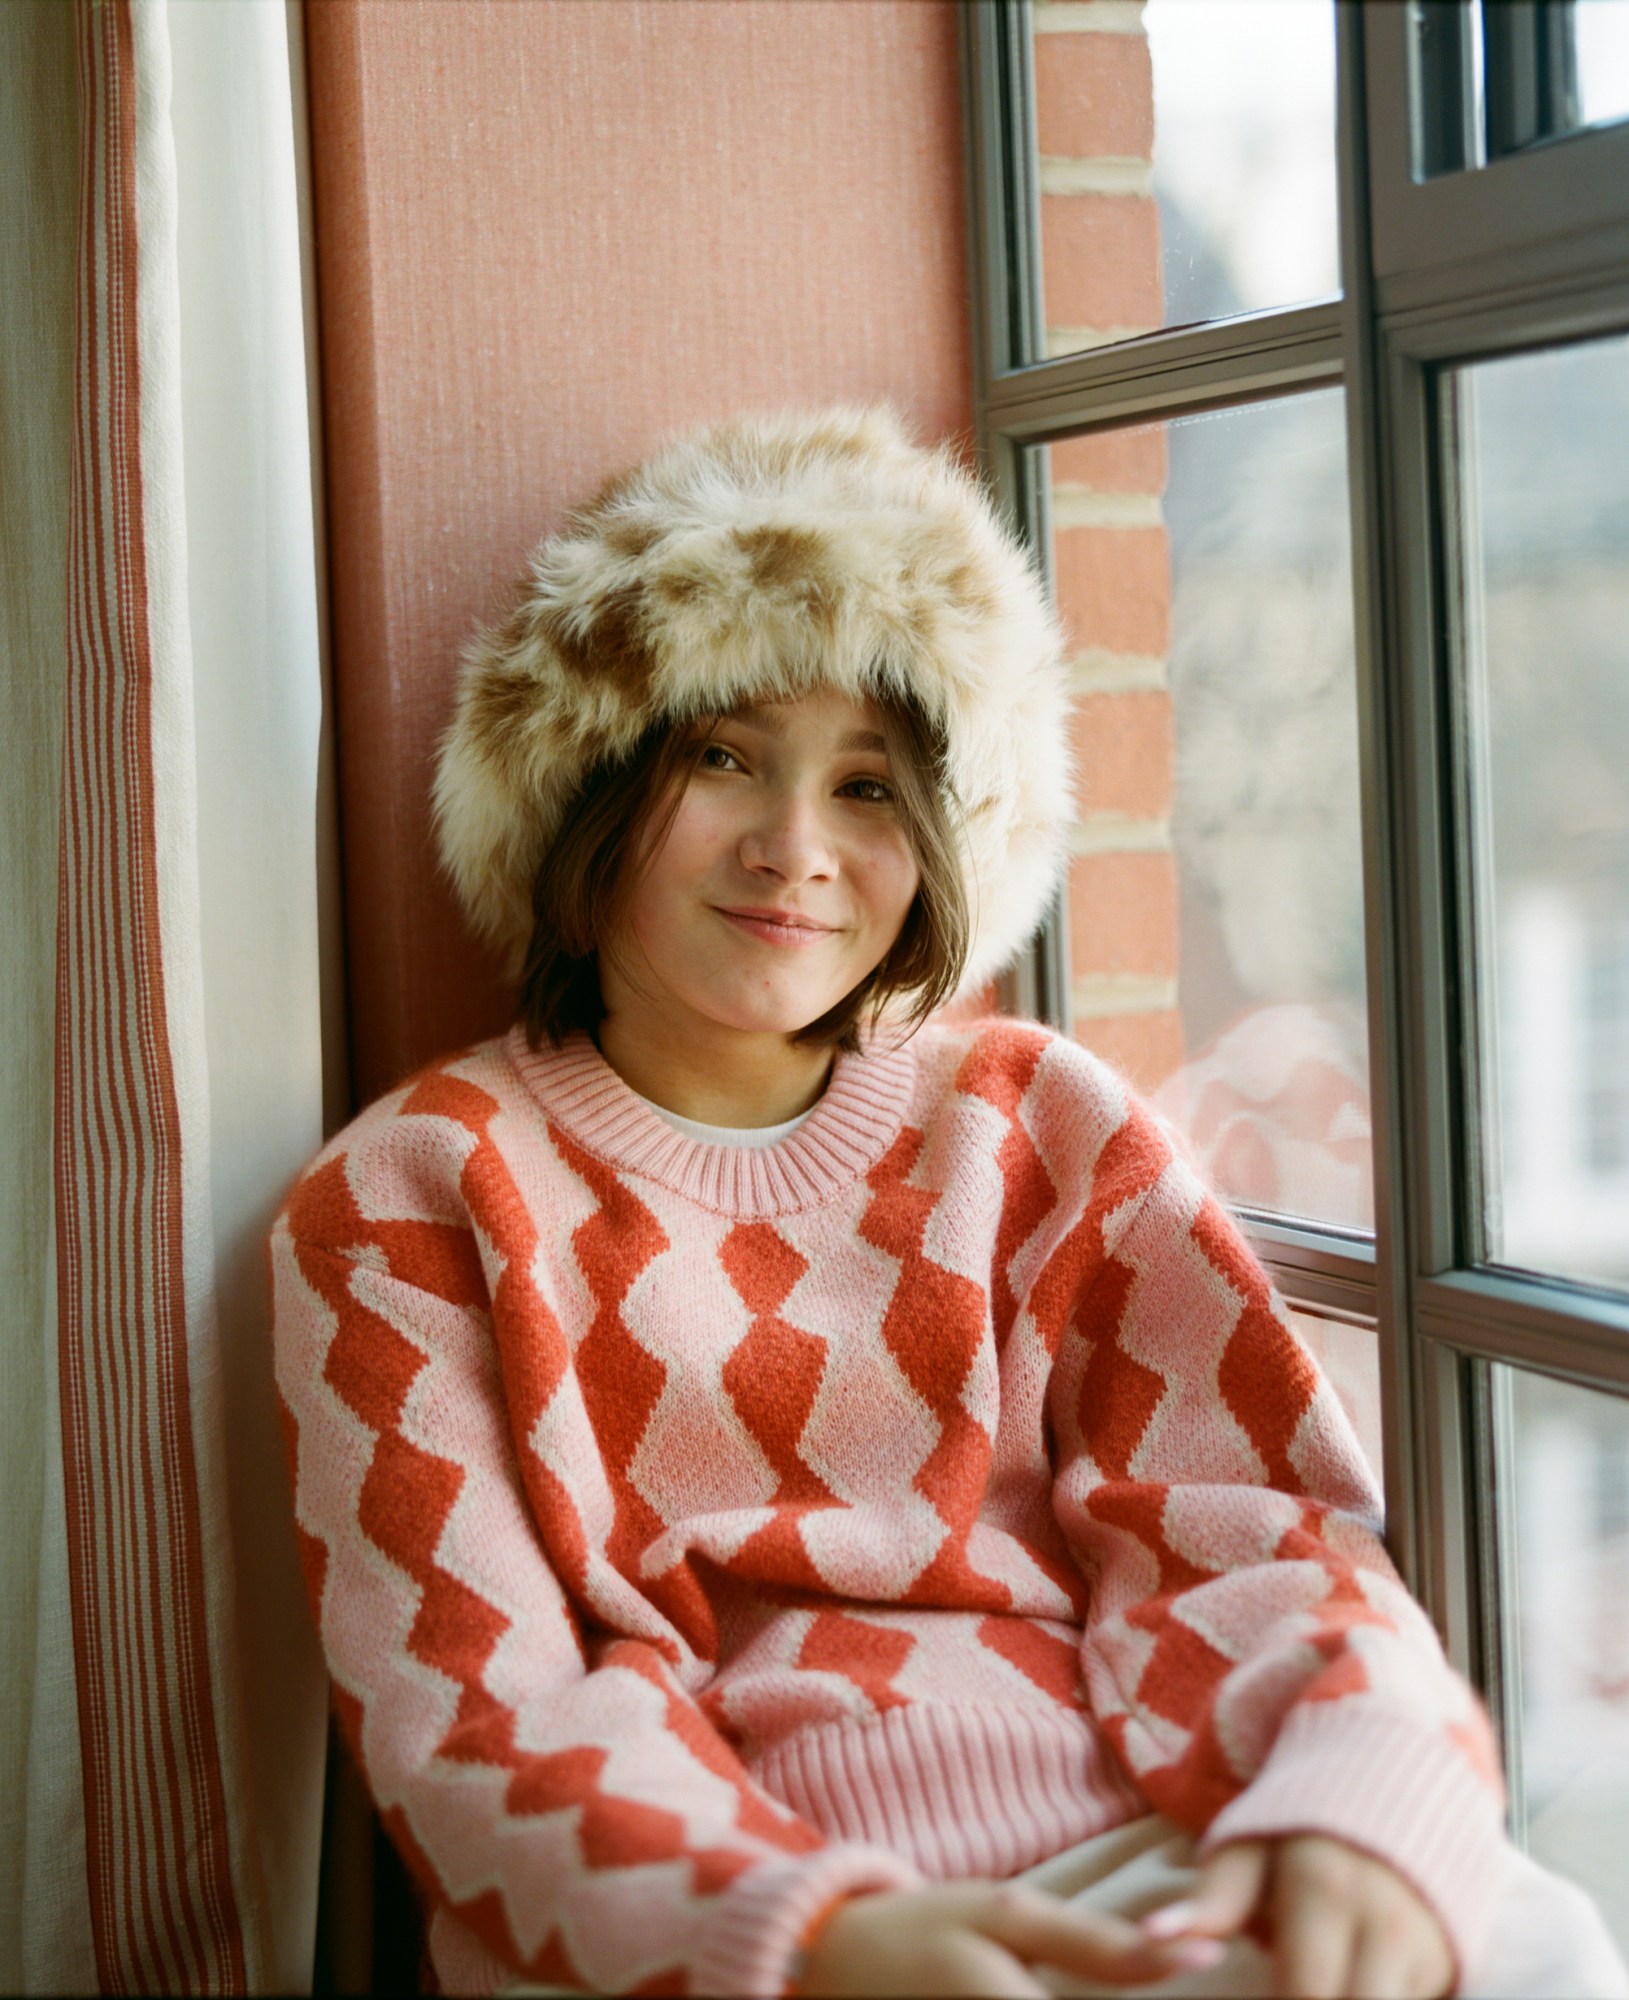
(1202, 570)
(1350, 1356)
(1570, 1473)
(1545, 610)
(1187, 161)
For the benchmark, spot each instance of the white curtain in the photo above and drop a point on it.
(166, 858)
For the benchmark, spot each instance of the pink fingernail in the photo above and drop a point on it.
(1170, 1922)
(1199, 1953)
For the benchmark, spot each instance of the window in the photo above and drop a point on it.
(1302, 344)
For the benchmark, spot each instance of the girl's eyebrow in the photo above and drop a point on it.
(863, 739)
(769, 720)
(773, 723)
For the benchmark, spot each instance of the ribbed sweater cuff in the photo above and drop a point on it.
(753, 1937)
(1399, 1789)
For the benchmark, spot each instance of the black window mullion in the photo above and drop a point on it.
(1421, 1405)
(1442, 1531)
(1003, 196)
(1444, 110)
(1556, 1329)
(1171, 373)
(1532, 73)
(1445, 228)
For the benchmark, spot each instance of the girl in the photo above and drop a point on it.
(768, 1477)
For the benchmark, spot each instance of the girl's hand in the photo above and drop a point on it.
(981, 1938)
(1343, 1925)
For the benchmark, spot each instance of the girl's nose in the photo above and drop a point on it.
(789, 840)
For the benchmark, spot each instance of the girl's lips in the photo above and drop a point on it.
(776, 930)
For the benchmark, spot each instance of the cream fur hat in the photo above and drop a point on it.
(754, 561)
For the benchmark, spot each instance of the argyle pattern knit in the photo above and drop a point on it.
(698, 1534)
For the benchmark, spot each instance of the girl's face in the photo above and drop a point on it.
(783, 879)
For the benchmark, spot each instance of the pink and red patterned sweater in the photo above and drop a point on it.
(700, 1533)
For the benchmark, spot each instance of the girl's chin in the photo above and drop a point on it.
(790, 1023)
(781, 1016)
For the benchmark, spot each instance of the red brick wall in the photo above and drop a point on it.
(1101, 276)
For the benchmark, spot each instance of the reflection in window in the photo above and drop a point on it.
(1571, 1480)
(1546, 588)
(1350, 1356)
(1606, 1054)
(1203, 577)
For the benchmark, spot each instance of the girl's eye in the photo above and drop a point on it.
(871, 791)
(716, 758)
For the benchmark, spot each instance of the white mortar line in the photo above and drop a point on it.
(1110, 174)
(1101, 17)
(1098, 671)
(1101, 994)
(1061, 340)
(1119, 833)
(1084, 507)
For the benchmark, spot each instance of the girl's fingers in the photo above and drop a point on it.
(1382, 1969)
(981, 1966)
(1229, 1888)
(1312, 1949)
(1046, 1931)
(1345, 1923)
(1403, 1959)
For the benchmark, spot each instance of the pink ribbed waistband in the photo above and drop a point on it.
(957, 1790)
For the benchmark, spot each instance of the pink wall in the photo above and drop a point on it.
(547, 234)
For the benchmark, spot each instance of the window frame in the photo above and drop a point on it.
(1541, 257)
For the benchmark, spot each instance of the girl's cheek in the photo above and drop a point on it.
(892, 872)
(705, 825)
(694, 838)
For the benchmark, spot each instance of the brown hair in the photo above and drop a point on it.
(580, 891)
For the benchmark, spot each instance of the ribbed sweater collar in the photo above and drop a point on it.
(845, 1135)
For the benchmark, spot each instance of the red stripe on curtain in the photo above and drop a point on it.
(163, 1910)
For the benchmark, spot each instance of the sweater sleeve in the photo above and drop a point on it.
(561, 1797)
(1249, 1646)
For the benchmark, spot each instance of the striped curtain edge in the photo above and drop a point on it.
(163, 1908)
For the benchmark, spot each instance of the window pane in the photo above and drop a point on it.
(1187, 165)
(1215, 902)
(1570, 1465)
(1350, 1356)
(1545, 482)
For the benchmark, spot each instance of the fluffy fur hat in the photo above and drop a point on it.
(754, 561)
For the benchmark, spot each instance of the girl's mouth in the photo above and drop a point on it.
(783, 927)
